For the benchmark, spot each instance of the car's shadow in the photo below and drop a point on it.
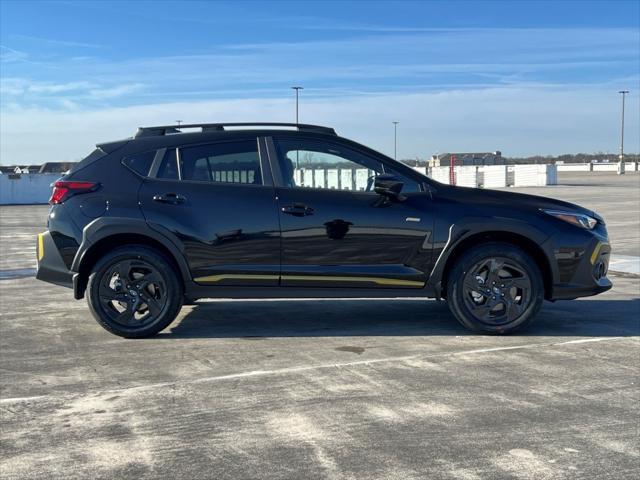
(380, 317)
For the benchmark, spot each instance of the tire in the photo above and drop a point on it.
(134, 292)
(495, 288)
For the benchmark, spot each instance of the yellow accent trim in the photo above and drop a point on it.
(315, 278)
(596, 251)
(235, 276)
(378, 280)
(40, 246)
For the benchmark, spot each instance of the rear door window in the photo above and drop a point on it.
(228, 162)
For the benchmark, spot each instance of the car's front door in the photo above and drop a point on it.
(336, 231)
(219, 200)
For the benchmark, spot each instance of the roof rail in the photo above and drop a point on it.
(220, 127)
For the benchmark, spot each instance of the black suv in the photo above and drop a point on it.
(174, 215)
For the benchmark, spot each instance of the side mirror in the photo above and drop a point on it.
(389, 186)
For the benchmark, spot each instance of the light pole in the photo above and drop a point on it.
(178, 122)
(395, 140)
(297, 89)
(621, 165)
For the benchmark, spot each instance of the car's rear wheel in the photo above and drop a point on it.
(134, 292)
(495, 288)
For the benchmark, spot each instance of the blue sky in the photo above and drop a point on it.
(522, 77)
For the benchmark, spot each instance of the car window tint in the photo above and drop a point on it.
(309, 164)
(140, 162)
(169, 167)
(228, 162)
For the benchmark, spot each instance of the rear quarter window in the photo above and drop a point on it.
(140, 162)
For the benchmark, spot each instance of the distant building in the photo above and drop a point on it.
(26, 169)
(56, 167)
(480, 158)
(48, 167)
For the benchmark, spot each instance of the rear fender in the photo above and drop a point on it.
(104, 227)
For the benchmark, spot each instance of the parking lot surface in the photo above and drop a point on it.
(334, 389)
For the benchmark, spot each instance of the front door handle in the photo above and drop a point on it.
(170, 199)
(297, 210)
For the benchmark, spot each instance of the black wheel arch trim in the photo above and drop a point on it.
(105, 227)
(468, 227)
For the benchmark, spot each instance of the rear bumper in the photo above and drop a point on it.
(51, 266)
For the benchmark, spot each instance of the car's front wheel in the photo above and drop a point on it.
(495, 288)
(134, 292)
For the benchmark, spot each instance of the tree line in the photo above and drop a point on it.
(574, 158)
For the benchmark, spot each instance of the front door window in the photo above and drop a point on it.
(309, 164)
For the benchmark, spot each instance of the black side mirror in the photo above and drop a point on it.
(389, 186)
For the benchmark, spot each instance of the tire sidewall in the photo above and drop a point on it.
(455, 291)
(163, 266)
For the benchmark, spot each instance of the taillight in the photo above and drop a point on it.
(63, 190)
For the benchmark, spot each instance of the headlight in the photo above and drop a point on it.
(577, 219)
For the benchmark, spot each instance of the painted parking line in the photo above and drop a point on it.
(15, 273)
(293, 370)
(625, 264)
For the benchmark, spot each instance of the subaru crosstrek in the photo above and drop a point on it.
(144, 225)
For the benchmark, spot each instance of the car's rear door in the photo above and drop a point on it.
(219, 200)
(336, 232)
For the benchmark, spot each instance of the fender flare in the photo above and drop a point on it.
(104, 227)
(466, 227)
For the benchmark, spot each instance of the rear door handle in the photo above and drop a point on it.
(297, 210)
(170, 199)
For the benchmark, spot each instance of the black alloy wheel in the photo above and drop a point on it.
(134, 292)
(495, 288)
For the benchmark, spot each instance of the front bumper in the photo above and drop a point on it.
(586, 274)
(51, 266)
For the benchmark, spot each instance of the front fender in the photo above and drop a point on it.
(467, 227)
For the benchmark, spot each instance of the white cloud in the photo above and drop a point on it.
(116, 91)
(75, 91)
(47, 88)
(517, 121)
(9, 55)
(55, 42)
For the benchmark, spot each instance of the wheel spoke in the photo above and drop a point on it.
(126, 316)
(482, 311)
(146, 280)
(154, 306)
(514, 310)
(484, 265)
(123, 269)
(115, 296)
(495, 266)
(471, 283)
(108, 294)
(518, 282)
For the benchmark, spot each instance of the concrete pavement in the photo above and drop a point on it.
(352, 389)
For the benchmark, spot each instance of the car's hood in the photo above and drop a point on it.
(511, 200)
